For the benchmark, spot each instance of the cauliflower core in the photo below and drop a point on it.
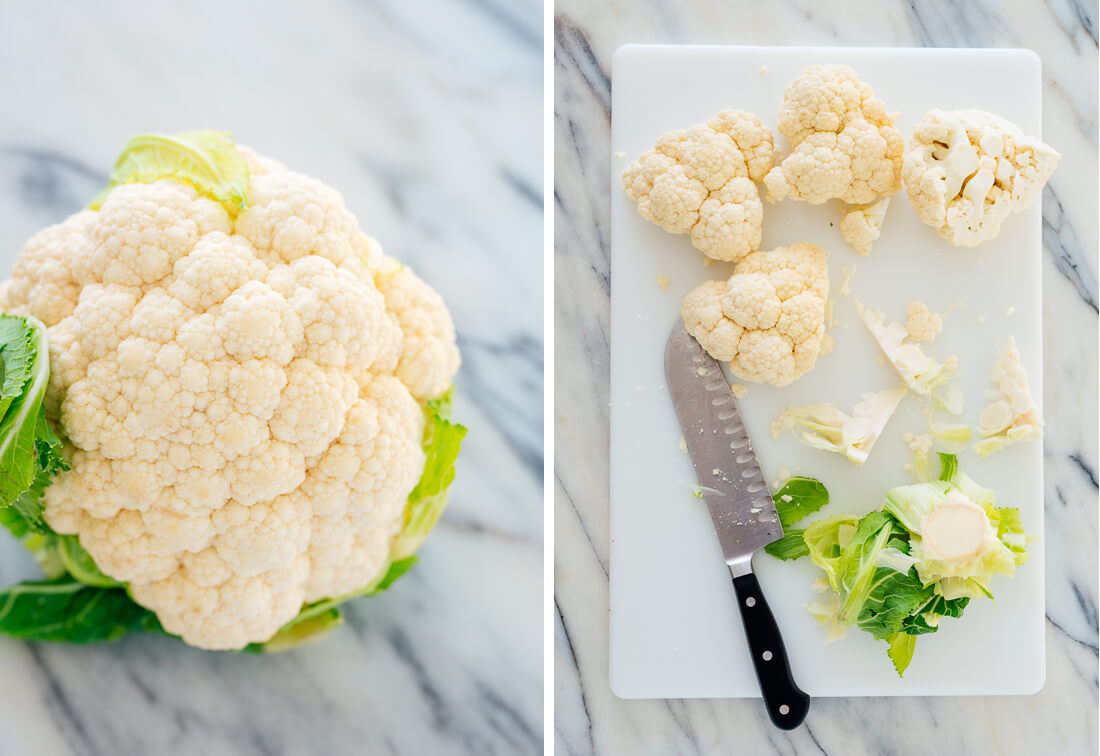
(843, 142)
(240, 398)
(700, 181)
(1011, 416)
(966, 171)
(768, 320)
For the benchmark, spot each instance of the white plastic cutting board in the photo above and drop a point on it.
(675, 628)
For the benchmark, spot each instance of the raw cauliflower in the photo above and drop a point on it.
(843, 142)
(700, 181)
(921, 323)
(239, 393)
(861, 226)
(768, 320)
(966, 171)
(1012, 415)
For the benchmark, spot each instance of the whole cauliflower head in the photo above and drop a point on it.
(240, 394)
(843, 142)
(700, 181)
(768, 320)
(966, 171)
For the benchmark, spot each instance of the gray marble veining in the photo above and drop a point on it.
(428, 117)
(589, 719)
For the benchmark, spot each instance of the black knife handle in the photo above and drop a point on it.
(786, 703)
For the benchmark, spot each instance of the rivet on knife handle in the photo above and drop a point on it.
(786, 703)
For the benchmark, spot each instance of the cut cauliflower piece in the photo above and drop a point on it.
(921, 323)
(966, 171)
(768, 320)
(922, 374)
(700, 181)
(862, 225)
(1012, 415)
(246, 396)
(843, 142)
(830, 429)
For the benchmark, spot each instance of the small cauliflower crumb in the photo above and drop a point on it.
(1010, 312)
(921, 323)
(663, 282)
(683, 444)
(981, 318)
(763, 70)
(827, 344)
(846, 276)
(701, 371)
(739, 390)
(620, 155)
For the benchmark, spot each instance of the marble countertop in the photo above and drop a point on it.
(589, 718)
(429, 120)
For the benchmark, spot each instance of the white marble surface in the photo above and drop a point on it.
(428, 117)
(1063, 717)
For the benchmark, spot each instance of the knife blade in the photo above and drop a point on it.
(740, 505)
(732, 483)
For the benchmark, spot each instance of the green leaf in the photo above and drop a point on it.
(24, 356)
(307, 627)
(949, 465)
(80, 565)
(891, 599)
(442, 443)
(825, 540)
(791, 546)
(1010, 531)
(798, 498)
(900, 649)
(858, 562)
(66, 610)
(207, 160)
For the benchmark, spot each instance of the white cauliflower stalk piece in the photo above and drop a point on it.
(843, 142)
(1012, 415)
(923, 375)
(701, 181)
(966, 171)
(768, 320)
(240, 392)
(861, 226)
(825, 427)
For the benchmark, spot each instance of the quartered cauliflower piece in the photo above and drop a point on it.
(830, 429)
(862, 225)
(966, 171)
(921, 323)
(1012, 415)
(767, 321)
(843, 142)
(700, 181)
(921, 373)
(241, 392)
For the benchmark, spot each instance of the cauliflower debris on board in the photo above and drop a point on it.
(843, 142)
(1011, 416)
(700, 181)
(830, 429)
(921, 373)
(240, 398)
(768, 320)
(862, 225)
(921, 323)
(966, 171)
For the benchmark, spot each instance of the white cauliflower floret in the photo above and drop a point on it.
(1012, 415)
(768, 319)
(921, 323)
(239, 398)
(862, 225)
(966, 171)
(843, 142)
(700, 181)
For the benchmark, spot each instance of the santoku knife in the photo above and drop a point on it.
(740, 505)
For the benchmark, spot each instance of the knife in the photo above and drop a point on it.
(740, 505)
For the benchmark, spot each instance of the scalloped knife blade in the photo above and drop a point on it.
(733, 485)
